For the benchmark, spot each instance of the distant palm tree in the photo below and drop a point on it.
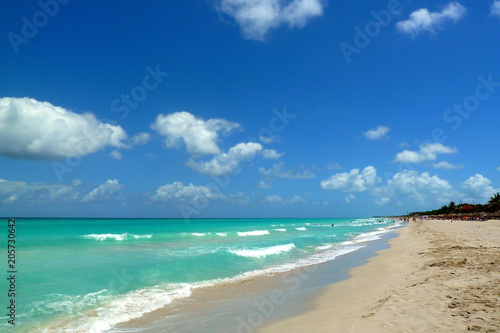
(494, 202)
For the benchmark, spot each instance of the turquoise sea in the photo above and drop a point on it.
(87, 275)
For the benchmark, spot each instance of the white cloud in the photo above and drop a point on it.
(349, 198)
(271, 154)
(116, 155)
(479, 188)
(495, 8)
(227, 163)
(277, 172)
(428, 152)
(297, 199)
(11, 199)
(268, 140)
(257, 17)
(383, 201)
(418, 187)
(39, 192)
(30, 129)
(76, 182)
(284, 201)
(140, 139)
(238, 199)
(273, 198)
(334, 166)
(423, 20)
(498, 169)
(263, 184)
(103, 191)
(447, 166)
(352, 181)
(200, 136)
(377, 133)
(403, 145)
(178, 191)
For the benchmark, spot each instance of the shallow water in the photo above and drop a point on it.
(89, 275)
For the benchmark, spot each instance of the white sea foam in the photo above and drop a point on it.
(141, 236)
(116, 237)
(301, 228)
(110, 310)
(222, 234)
(367, 237)
(198, 234)
(263, 252)
(253, 233)
(114, 310)
(280, 229)
(324, 247)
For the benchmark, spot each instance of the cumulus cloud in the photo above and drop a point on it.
(428, 152)
(76, 182)
(495, 8)
(334, 166)
(200, 136)
(30, 129)
(479, 188)
(377, 133)
(271, 154)
(267, 140)
(103, 191)
(423, 20)
(140, 139)
(257, 17)
(116, 155)
(273, 199)
(353, 181)
(418, 187)
(12, 191)
(227, 163)
(277, 172)
(284, 201)
(263, 184)
(447, 166)
(403, 145)
(179, 191)
(238, 199)
(383, 201)
(349, 198)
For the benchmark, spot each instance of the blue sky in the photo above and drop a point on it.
(247, 108)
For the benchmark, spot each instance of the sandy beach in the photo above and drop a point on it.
(437, 276)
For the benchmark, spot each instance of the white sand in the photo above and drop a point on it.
(438, 276)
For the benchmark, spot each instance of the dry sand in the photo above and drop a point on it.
(438, 276)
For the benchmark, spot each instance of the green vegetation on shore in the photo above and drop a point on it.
(491, 209)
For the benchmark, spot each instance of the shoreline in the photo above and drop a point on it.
(437, 276)
(246, 306)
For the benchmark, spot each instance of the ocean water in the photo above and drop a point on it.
(87, 275)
